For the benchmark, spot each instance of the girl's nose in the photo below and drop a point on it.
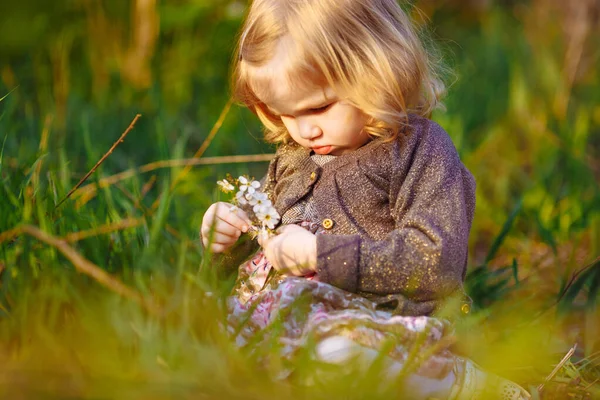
(309, 131)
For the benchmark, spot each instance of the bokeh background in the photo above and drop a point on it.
(523, 109)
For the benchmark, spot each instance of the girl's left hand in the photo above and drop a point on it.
(293, 251)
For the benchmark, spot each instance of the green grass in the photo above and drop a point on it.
(534, 272)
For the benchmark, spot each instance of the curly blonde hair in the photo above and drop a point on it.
(368, 51)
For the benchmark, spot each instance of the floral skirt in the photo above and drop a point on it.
(303, 309)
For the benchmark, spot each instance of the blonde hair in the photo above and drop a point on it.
(368, 51)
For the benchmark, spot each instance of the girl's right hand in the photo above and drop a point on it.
(222, 227)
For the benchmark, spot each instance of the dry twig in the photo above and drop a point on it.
(104, 157)
(201, 150)
(86, 267)
(138, 205)
(147, 186)
(102, 230)
(557, 368)
(82, 264)
(9, 234)
(591, 384)
(90, 189)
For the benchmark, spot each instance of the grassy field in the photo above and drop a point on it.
(105, 291)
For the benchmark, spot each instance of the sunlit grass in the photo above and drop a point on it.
(534, 273)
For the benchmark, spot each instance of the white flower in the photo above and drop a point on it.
(268, 216)
(241, 198)
(258, 200)
(257, 197)
(225, 186)
(263, 234)
(248, 186)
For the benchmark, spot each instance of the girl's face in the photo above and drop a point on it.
(314, 115)
(317, 118)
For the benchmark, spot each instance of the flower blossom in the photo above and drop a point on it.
(265, 217)
(258, 200)
(268, 216)
(248, 186)
(242, 198)
(225, 186)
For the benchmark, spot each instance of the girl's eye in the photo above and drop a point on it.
(320, 109)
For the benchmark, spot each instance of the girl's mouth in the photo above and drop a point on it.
(322, 150)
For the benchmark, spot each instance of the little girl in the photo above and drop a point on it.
(375, 204)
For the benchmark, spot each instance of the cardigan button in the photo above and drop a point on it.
(327, 223)
(313, 176)
(465, 308)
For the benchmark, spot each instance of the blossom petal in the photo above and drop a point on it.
(241, 198)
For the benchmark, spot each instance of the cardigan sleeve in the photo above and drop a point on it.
(424, 256)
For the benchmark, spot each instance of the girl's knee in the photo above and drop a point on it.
(337, 350)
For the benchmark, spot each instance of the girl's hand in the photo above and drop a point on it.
(293, 251)
(228, 225)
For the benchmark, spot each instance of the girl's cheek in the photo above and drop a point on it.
(289, 124)
(334, 118)
(348, 119)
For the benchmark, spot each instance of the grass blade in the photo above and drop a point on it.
(504, 232)
(8, 94)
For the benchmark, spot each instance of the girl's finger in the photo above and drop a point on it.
(235, 217)
(263, 238)
(222, 228)
(219, 238)
(242, 214)
(218, 248)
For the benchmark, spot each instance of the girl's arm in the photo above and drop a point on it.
(424, 257)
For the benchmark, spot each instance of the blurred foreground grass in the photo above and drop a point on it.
(524, 113)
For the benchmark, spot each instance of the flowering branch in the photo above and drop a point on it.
(262, 213)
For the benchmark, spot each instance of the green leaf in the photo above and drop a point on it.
(594, 286)
(592, 275)
(546, 234)
(10, 195)
(2, 152)
(7, 94)
(160, 218)
(515, 270)
(504, 231)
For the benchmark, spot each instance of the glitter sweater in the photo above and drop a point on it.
(397, 216)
